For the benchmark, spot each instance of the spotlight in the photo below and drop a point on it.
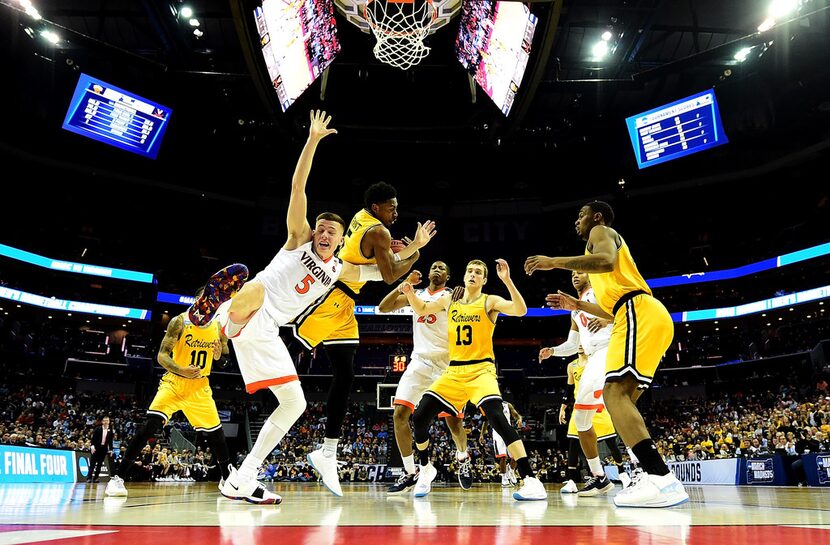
(186, 12)
(50, 36)
(741, 55)
(606, 36)
(600, 49)
(195, 22)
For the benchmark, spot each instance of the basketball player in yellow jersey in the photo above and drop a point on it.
(471, 375)
(187, 352)
(331, 320)
(642, 332)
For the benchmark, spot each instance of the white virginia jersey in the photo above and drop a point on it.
(295, 279)
(591, 342)
(429, 333)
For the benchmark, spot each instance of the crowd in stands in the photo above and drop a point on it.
(732, 421)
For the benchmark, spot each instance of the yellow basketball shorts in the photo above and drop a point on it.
(329, 321)
(603, 426)
(459, 384)
(643, 330)
(191, 396)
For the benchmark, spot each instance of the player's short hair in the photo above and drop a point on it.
(479, 262)
(331, 216)
(603, 208)
(378, 193)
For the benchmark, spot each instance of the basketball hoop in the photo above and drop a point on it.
(400, 27)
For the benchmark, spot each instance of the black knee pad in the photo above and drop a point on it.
(495, 416)
(427, 410)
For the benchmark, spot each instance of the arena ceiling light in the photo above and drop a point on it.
(600, 49)
(778, 9)
(742, 54)
(186, 12)
(50, 36)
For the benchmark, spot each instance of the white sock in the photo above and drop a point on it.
(292, 405)
(596, 466)
(460, 456)
(409, 464)
(632, 456)
(330, 447)
(250, 467)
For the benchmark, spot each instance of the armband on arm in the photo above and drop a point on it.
(569, 347)
(222, 362)
(368, 273)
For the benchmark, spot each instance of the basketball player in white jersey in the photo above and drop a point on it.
(301, 272)
(430, 357)
(589, 395)
(508, 477)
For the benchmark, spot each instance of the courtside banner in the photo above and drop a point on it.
(723, 471)
(36, 465)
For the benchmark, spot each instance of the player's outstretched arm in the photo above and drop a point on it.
(395, 299)
(299, 230)
(165, 354)
(515, 306)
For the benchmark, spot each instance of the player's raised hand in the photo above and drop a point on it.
(319, 127)
(538, 263)
(502, 270)
(561, 301)
(423, 234)
(406, 287)
(545, 353)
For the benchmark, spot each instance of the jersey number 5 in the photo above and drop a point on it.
(467, 331)
(305, 285)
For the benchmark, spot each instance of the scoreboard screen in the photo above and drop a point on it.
(683, 127)
(117, 117)
(398, 362)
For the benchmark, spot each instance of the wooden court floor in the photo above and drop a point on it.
(195, 514)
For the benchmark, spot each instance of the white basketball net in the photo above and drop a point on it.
(400, 28)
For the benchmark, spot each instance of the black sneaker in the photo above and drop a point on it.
(465, 473)
(596, 486)
(404, 483)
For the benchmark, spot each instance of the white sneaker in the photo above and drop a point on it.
(505, 480)
(326, 466)
(511, 476)
(625, 480)
(221, 483)
(653, 491)
(636, 476)
(115, 487)
(251, 490)
(569, 488)
(533, 489)
(425, 478)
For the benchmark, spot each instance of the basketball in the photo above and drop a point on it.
(397, 245)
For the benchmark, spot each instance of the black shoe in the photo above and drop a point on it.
(404, 483)
(596, 486)
(465, 473)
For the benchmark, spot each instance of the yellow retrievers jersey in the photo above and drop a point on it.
(625, 278)
(470, 332)
(195, 346)
(351, 252)
(578, 369)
